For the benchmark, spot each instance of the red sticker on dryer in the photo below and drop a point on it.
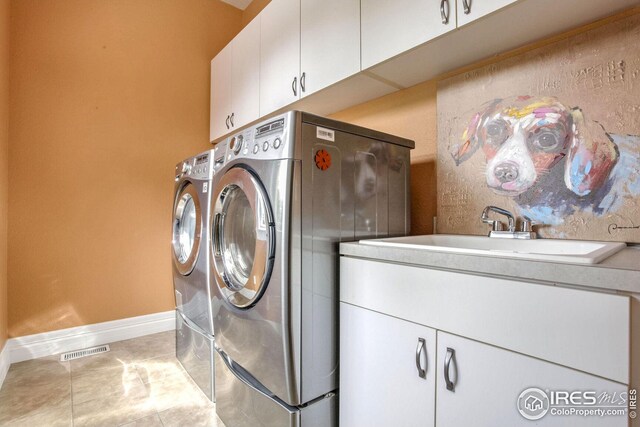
(323, 160)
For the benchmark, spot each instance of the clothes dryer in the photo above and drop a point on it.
(288, 191)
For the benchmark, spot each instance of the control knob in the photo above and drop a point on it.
(236, 144)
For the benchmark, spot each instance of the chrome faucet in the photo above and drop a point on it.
(497, 225)
(497, 228)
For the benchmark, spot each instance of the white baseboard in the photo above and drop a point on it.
(63, 340)
(5, 362)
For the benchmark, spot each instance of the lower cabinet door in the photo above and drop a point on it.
(481, 385)
(387, 370)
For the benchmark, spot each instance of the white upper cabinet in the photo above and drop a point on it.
(498, 26)
(220, 112)
(235, 83)
(470, 10)
(392, 27)
(245, 82)
(330, 42)
(279, 55)
(295, 48)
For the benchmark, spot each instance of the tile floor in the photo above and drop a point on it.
(138, 383)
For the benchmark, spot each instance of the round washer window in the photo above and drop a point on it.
(186, 229)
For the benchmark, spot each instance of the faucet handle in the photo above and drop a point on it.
(527, 227)
(494, 223)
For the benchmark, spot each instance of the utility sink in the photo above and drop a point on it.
(565, 251)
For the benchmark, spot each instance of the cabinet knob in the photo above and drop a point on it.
(227, 122)
(231, 119)
(303, 78)
(422, 373)
(294, 86)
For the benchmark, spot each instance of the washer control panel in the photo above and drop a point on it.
(198, 167)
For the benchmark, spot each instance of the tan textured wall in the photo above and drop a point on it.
(106, 97)
(4, 168)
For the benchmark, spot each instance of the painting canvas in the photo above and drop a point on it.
(553, 135)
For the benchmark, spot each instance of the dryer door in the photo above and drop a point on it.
(243, 237)
(187, 225)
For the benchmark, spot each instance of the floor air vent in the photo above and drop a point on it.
(65, 357)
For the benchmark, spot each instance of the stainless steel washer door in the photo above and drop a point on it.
(187, 225)
(243, 236)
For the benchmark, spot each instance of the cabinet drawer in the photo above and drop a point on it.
(584, 330)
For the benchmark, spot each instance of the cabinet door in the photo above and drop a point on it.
(380, 382)
(279, 55)
(245, 81)
(330, 42)
(392, 27)
(220, 93)
(488, 381)
(470, 10)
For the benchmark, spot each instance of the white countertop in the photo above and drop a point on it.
(620, 272)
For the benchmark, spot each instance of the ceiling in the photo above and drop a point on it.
(240, 4)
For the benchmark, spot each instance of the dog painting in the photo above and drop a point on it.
(550, 158)
(550, 133)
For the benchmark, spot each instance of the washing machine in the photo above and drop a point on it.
(191, 270)
(286, 193)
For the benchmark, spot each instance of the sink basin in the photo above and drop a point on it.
(565, 251)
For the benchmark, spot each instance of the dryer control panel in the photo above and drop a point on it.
(269, 140)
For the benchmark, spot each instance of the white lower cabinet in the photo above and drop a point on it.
(487, 381)
(482, 342)
(387, 370)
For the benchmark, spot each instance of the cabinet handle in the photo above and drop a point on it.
(444, 14)
(302, 80)
(294, 86)
(466, 5)
(227, 122)
(422, 373)
(451, 355)
(231, 119)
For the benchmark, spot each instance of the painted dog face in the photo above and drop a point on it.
(523, 138)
